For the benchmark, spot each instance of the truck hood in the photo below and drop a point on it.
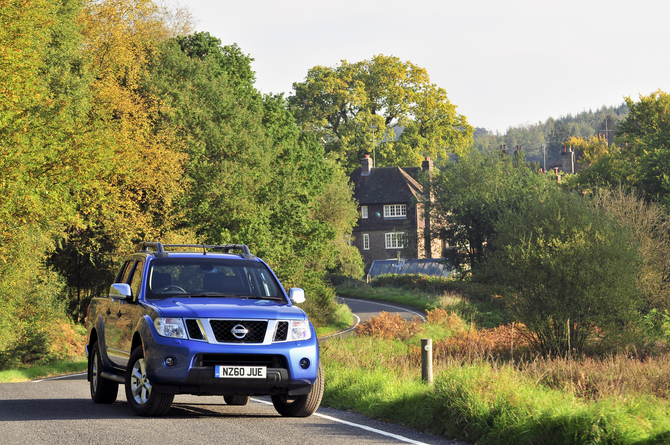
(227, 308)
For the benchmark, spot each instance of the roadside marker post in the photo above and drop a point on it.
(427, 360)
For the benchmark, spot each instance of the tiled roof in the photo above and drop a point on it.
(386, 185)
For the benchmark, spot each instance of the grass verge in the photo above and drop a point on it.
(481, 401)
(56, 368)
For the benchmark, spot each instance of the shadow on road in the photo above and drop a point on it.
(81, 409)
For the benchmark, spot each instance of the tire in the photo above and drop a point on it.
(301, 406)
(237, 400)
(142, 398)
(102, 389)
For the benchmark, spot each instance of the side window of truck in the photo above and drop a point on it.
(124, 272)
(136, 280)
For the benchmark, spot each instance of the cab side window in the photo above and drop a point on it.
(136, 280)
(124, 273)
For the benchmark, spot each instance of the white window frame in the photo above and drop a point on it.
(395, 211)
(364, 212)
(366, 241)
(394, 240)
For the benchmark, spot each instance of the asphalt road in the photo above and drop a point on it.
(60, 411)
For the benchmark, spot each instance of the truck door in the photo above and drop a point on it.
(114, 325)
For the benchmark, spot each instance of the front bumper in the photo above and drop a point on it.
(192, 370)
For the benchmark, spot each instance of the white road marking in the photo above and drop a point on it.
(356, 425)
(60, 377)
(358, 321)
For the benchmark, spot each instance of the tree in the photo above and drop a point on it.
(382, 102)
(43, 97)
(251, 175)
(645, 136)
(640, 158)
(552, 134)
(127, 176)
(570, 271)
(473, 193)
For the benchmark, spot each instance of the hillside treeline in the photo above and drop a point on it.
(547, 138)
(114, 130)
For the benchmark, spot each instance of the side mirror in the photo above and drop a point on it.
(296, 295)
(120, 291)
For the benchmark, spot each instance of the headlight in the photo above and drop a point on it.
(170, 327)
(299, 330)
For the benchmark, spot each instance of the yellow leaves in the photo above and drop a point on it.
(592, 149)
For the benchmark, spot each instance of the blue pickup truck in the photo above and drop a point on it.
(204, 320)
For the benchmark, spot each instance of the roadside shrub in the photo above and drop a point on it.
(570, 273)
(30, 301)
(320, 304)
(649, 225)
(453, 338)
(389, 326)
(420, 283)
(436, 286)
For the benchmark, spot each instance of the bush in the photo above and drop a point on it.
(570, 271)
(320, 304)
(30, 303)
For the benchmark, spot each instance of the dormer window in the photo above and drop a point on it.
(395, 211)
(364, 212)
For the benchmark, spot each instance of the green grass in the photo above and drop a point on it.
(481, 402)
(55, 368)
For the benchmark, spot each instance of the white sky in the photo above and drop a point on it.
(502, 62)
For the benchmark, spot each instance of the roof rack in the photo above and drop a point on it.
(159, 248)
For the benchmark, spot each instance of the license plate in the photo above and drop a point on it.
(240, 372)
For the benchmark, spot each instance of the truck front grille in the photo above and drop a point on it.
(193, 329)
(281, 332)
(239, 331)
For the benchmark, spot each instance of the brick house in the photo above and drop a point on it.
(391, 217)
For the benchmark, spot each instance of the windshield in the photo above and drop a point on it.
(210, 277)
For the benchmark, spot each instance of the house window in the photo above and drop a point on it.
(366, 241)
(395, 240)
(395, 211)
(364, 211)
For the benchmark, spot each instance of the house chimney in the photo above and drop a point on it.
(568, 160)
(427, 165)
(366, 165)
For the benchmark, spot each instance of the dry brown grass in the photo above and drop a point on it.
(389, 326)
(619, 375)
(67, 343)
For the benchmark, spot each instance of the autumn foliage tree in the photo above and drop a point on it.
(118, 199)
(639, 161)
(382, 105)
(114, 130)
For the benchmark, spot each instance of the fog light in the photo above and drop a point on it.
(304, 363)
(170, 361)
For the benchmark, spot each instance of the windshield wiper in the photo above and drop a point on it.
(261, 297)
(216, 295)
